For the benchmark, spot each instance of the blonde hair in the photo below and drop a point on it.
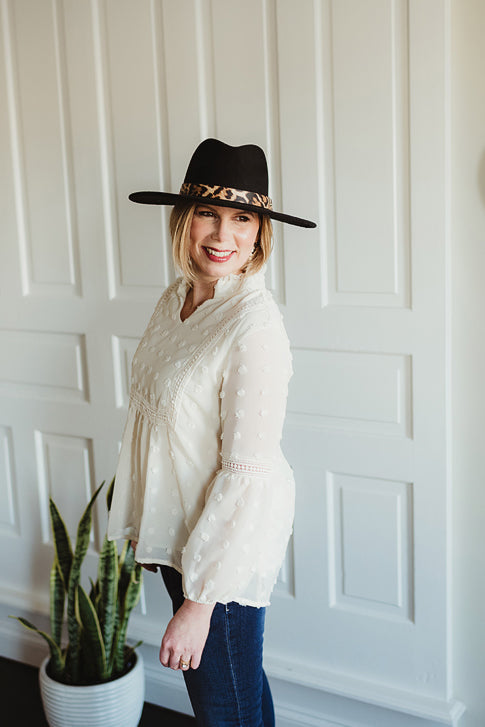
(180, 224)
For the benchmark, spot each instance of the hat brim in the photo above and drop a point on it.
(162, 198)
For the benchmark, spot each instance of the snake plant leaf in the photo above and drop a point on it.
(62, 542)
(122, 555)
(94, 592)
(73, 628)
(57, 659)
(94, 661)
(126, 565)
(57, 598)
(108, 591)
(109, 494)
(132, 596)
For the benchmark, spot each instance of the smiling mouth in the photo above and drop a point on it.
(219, 256)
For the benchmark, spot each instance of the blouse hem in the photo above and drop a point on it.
(123, 535)
(240, 601)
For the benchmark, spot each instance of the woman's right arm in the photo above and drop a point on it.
(244, 527)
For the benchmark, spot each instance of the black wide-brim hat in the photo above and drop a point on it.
(226, 176)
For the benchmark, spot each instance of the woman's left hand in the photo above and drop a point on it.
(185, 636)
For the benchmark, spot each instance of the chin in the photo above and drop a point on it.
(218, 270)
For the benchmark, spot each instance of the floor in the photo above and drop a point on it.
(22, 705)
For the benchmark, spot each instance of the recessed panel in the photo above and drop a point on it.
(41, 143)
(65, 473)
(51, 365)
(130, 71)
(236, 26)
(8, 488)
(362, 392)
(123, 351)
(368, 248)
(370, 544)
(188, 59)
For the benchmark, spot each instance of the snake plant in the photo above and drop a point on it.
(96, 623)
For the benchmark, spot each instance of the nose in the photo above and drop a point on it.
(222, 230)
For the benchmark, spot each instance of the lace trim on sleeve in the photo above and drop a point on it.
(247, 467)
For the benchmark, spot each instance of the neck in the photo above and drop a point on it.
(202, 291)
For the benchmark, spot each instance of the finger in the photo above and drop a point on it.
(164, 656)
(174, 661)
(195, 661)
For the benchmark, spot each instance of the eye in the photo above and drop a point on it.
(204, 212)
(243, 218)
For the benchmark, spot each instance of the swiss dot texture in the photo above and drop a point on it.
(201, 482)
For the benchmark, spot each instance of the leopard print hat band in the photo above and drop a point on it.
(228, 176)
(228, 194)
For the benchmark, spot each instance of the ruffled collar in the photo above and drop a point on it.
(228, 285)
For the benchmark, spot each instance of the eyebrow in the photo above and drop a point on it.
(213, 207)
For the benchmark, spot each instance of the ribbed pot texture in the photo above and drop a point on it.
(118, 703)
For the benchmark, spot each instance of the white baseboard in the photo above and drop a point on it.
(434, 710)
(303, 697)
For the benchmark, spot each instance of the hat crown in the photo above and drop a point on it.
(239, 167)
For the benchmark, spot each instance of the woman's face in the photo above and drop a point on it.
(221, 240)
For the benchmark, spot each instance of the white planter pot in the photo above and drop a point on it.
(118, 703)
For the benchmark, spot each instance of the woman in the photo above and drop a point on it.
(202, 488)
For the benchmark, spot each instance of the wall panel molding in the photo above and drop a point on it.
(41, 143)
(352, 391)
(124, 348)
(366, 156)
(276, 266)
(161, 111)
(204, 39)
(370, 546)
(16, 145)
(131, 117)
(65, 472)
(9, 519)
(44, 364)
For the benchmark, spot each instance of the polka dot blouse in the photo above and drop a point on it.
(201, 483)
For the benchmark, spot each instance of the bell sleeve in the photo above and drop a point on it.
(236, 548)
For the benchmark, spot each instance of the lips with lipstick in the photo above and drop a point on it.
(218, 256)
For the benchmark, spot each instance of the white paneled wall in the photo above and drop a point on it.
(348, 98)
(368, 153)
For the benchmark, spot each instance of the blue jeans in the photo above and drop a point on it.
(230, 688)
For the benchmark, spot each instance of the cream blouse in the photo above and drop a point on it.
(201, 483)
